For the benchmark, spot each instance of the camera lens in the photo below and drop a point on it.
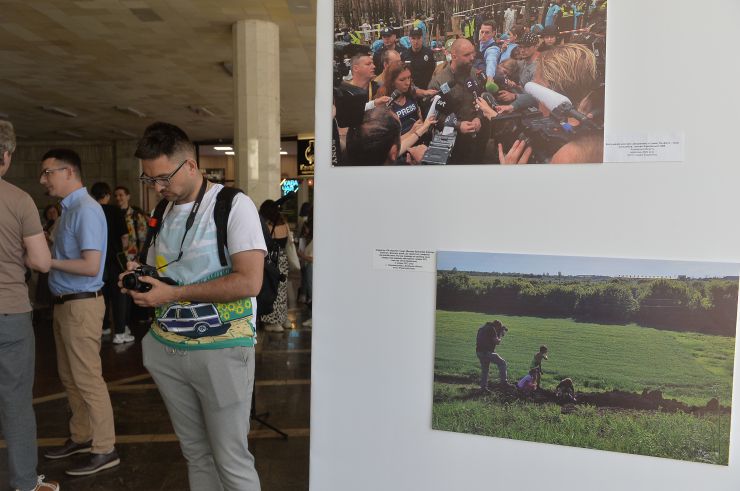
(130, 281)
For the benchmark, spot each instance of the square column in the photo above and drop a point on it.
(257, 108)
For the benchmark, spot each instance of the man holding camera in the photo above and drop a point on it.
(76, 281)
(200, 348)
(489, 336)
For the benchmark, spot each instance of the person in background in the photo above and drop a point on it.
(390, 59)
(420, 59)
(304, 216)
(305, 252)
(277, 320)
(565, 392)
(43, 295)
(537, 363)
(136, 225)
(489, 336)
(23, 246)
(115, 302)
(388, 34)
(528, 384)
(76, 281)
(136, 221)
(550, 38)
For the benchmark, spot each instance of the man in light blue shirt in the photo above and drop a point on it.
(76, 280)
(553, 13)
(488, 49)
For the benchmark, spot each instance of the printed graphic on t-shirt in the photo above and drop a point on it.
(200, 325)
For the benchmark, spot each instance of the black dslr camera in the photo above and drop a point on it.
(131, 281)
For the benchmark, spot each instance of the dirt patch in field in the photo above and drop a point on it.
(650, 400)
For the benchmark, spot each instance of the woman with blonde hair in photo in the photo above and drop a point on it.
(569, 69)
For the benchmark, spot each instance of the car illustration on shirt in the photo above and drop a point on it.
(193, 320)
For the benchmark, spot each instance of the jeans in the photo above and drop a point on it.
(486, 357)
(17, 419)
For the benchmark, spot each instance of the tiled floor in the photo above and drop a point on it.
(150, 455)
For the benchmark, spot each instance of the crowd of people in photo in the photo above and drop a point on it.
(100, 260)
(499, 88)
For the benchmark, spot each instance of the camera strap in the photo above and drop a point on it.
(190, 221)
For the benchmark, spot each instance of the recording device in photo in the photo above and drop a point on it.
(544, 134)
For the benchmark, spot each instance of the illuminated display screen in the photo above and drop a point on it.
(289, 185)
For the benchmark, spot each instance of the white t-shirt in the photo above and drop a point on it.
(193, 325)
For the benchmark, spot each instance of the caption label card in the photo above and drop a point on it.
(404, 260)
(668, 147)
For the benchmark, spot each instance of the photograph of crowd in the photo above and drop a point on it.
(458, 82)
(622, 355)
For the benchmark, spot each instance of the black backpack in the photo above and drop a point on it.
(271, 277)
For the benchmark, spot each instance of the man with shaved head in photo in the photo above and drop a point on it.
(472, 133)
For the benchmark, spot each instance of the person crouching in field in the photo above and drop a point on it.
(537, 363)
(489, 336)
(565, 392)
(528, 383)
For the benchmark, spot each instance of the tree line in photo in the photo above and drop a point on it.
(708, 306)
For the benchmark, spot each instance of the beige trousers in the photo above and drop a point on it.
(78, 327)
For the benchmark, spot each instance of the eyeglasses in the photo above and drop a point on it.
(47, 172)
(162, 181)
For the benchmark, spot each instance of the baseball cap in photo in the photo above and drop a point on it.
(387, 31)
(528, 39)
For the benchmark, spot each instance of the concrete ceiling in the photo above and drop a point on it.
(89, 57)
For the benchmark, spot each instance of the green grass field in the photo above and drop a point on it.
(689, 367)
(670, 435)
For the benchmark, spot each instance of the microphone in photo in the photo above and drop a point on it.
(472, 86)
(446, 87)
(394, 95)
(548, 97)
(557, 103)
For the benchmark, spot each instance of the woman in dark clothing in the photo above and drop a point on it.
(277, 320)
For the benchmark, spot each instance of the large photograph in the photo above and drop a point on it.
(623, 355)
(439, 82)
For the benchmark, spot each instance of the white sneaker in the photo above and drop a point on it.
(273, 328)
(45, 486)
(106, 331)
(308, 323)
(126, 330)
(123, 338)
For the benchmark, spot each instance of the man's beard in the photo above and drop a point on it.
(463, 67)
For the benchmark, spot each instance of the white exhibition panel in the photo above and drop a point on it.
(671, 67)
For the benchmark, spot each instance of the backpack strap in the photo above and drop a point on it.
(224, 200)
(153, 225)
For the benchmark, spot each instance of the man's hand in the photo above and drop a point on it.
(482, 106)
(504, 109)
(472, 126)
(467, 127)
(382, 101)
(130, 266)
(505, 96)
(518, 154)
(426, 92)
(414, 155)
(160, 294)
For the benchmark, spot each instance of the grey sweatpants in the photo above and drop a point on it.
(208, 395)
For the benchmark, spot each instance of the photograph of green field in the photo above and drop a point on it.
(623, 355)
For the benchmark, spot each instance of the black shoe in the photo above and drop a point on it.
(97, 463)
(69, 448)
